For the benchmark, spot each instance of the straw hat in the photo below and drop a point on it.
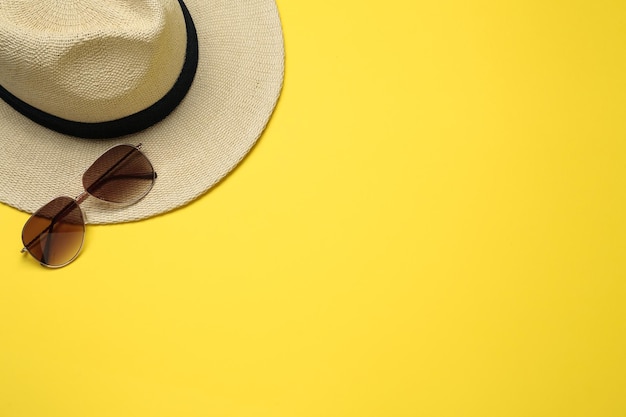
(195, 82)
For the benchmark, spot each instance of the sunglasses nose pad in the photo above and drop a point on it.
(54, 234)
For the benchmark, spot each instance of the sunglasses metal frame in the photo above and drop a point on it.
(78, 200)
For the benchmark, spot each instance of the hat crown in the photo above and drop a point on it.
(91, 60)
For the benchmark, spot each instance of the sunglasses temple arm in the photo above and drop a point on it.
(78, 200)
(38, 237)
(46, 249)
(99, 181)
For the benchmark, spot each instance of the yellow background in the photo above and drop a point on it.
(433, 224)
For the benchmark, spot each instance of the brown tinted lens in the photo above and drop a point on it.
(54, 234)
(121, 175)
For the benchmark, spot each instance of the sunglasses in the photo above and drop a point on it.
(54, 234)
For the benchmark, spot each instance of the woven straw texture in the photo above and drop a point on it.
(237, 84)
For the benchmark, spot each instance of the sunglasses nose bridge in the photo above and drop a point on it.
(81, 197)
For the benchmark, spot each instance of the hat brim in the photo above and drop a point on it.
(236, 87)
